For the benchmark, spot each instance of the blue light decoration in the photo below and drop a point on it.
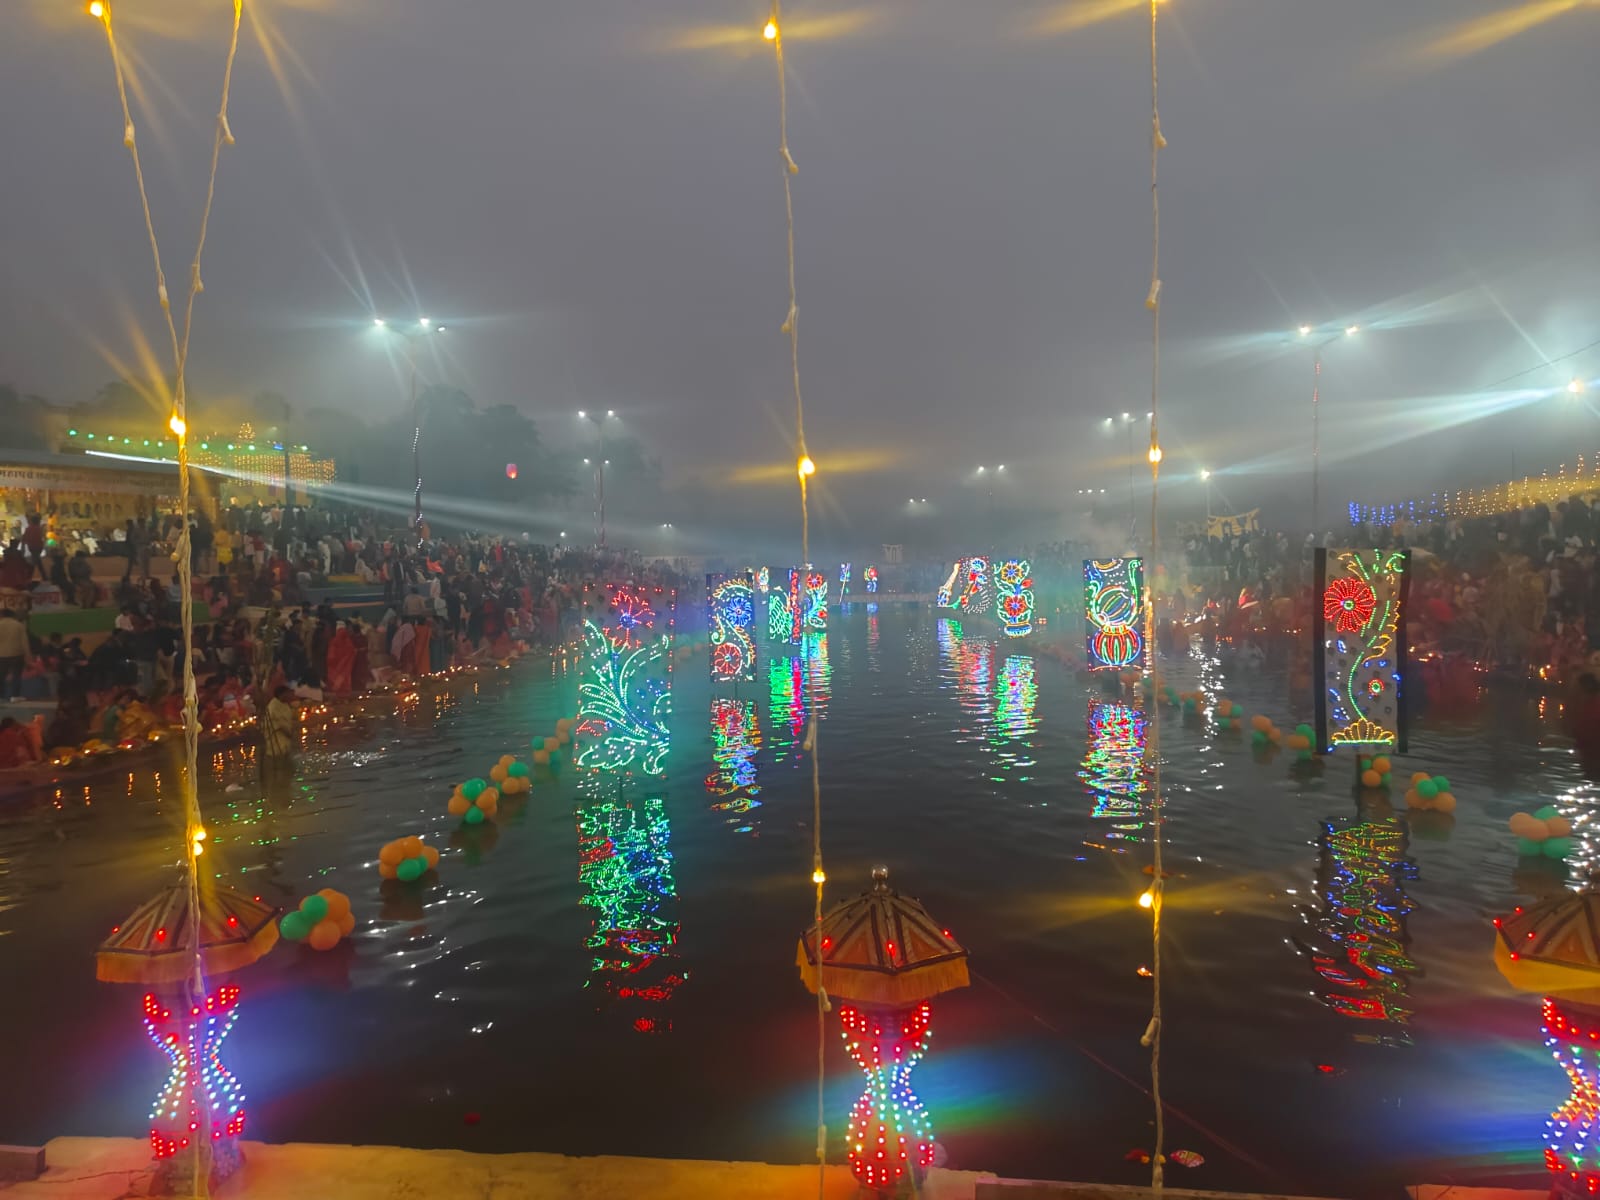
(731, 611)
(625, 697)
(625, 867)
(1356, 940)
(1114, 613)
(735, 743)
(1013, 581)
(844, 581)
(816, 601)
(887, 1045)
(1114, 769)
(1358, 642)
(945, 597)
(871, 576)
(201, 1100)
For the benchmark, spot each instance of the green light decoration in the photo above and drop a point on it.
(624, 703)
(1359, 642)
(735, 740)
(1357, 940)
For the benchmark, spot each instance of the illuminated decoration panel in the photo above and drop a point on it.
(1359, 644)
(1357, 940)
(731, 611)
(1572, 1035)
(816, 601)
(1013, 584)
(1114, 612)
(1114, 770)
(844, 581)
(764, 579)
(871, 576)
(945, 598)
(889, 1136)
(735, 743)
(202, 1098)
(625, 697)
(785, 614)
(625, 868)
(969, 587)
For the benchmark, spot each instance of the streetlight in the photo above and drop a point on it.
(1205, 478)
(1316, 427)
(409, 334)
(1575, 386)
(599, 423)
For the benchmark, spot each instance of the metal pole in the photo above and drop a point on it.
(416, 440)
(1316, 446)
(600, 424)
(1132, 515)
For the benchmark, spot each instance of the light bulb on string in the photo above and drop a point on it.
(177, 424)
(1155, 455)
(97, 10)
(770, 32)
(807, 468)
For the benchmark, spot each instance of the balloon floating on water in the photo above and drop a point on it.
(407, 859)
(1545, 833)
(321, 920)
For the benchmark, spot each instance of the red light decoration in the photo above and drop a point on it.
(201, 1096)
(1569, 1149)
(1349, 604)
(889, 1133)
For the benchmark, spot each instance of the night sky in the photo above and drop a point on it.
(588, 193)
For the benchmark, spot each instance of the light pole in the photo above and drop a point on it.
(1205, 478)
(599, 421)
(1316, 426)
(409, 334)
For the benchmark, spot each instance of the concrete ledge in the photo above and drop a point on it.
(1038, 1189)
(21, 1162)
(112, 1168)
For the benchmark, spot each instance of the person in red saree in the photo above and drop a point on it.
(360, 670)
(341, 660)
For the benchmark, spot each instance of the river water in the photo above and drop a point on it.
(506, 1007)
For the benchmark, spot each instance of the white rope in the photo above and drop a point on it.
(194, 826)
(804, 468)
(1152, 1033)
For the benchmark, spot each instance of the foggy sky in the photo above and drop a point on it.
(588, 193)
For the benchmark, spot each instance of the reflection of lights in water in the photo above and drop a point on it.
(972, 660)
(1356, 938)
(872, 637)
(1578, 803)
(796, 686)
(736, 739)
(625, 866)
(1016, 695)
(1114, 768)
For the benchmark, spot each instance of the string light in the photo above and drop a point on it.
(97, 10)
(770, 31)
(178, 425)
(807, 468)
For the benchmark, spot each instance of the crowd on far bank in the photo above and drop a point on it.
(268, 635)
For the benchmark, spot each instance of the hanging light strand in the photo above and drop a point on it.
(1152, 1033)
(805, 468)
(194, 831)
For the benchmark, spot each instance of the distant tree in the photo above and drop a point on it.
(25, 420)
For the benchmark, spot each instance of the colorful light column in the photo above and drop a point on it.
(731, 611)
(1114, 602)
(871, 576)
(1571, 1152)
(625, 697)
(201, 1098)
(844, 582)
(1359, 647)
(816, 601)
(1013, 581)
(889, 1135)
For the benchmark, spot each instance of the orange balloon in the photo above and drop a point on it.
(1381, 765)
(431, 853)
(489, 802)
(324, 935)
(507, 759)
(1371, 779)
(1413, 800)
(1419, 776)
(392, 854)
(551, 743)
(411, 845)
(492, 795)
(459, 804)
(498, 774)
(1275, 736)
(338, 903)
(564, 725)
(563, 736)
(1445, 802)
(346, 923)
(388, 870)
(541, 757)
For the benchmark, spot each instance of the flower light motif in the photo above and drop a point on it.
(633, 614)
(1349, 604)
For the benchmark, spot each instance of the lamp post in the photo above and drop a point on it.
(1306, 331)
(1205, 478)
(409, 334)
(599, 421)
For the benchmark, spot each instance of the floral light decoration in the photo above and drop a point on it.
(1359, 645)
(625, 698)
(816, 600)
(1114, 610)
(871, 576)
(730, 609)
(1348, 603)
(1014, 586)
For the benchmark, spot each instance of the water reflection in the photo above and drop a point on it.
(735, 743)
(625, 866)
(1016, 696)
(1356, 938)
(1114, 770)
(971, 660)
(797, 685)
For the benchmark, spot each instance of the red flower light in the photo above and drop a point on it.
(1348, 603)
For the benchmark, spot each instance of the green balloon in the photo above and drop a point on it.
(1557, 848)
(1305, 731)
(1258, 738)
(1386, 779)
(1529, 848)
(1304, 756)
(1441, 783)
(1428, 788)
(314, 907)
(411, 870)
(517, 769)
(295, 926)
(473, 788)
(474, 816)
(1548, 812)
(1188, 705)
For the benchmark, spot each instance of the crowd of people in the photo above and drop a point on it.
(268, 634)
